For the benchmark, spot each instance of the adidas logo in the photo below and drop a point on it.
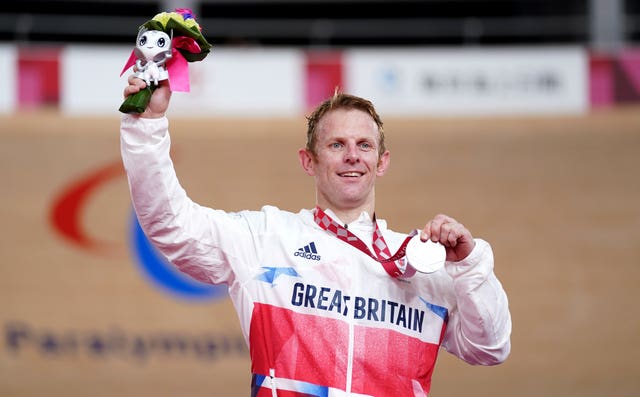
(309, 251)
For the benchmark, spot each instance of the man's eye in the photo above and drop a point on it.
(336, 145)
(366, 145)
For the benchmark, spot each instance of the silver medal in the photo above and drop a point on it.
(425, 256)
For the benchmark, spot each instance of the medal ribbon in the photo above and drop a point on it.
(382, 253)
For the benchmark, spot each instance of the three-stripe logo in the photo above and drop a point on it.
(309, 251)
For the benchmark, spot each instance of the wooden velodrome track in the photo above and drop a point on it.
(558, 198)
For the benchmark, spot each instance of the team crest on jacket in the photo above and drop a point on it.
(309, 251)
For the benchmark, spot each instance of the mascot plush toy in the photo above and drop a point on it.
(164, 47)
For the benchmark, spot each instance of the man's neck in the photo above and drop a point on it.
(348, 216)
(347, 213)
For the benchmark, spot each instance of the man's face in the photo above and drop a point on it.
(346, 163)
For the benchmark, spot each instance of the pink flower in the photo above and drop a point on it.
(186, 13)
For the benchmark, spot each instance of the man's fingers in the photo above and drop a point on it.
(130, 89)
(447, 231)
(133, 80)
(443, 229)
(434, 228)
(135, 85)
(451, 233)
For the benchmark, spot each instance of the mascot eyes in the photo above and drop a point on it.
(160, 42)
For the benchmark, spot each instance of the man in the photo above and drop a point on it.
(323, 309)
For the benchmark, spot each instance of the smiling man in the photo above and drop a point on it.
(344, 153)
(327, 300)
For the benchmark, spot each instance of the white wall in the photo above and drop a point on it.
(470, 81)
(226, 82)
(91, 84)
(272, 82)
(8, 78)
(245, 82)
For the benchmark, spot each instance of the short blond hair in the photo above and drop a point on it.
(342, 101)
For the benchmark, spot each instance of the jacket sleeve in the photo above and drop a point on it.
(187, 234)
(479, 329)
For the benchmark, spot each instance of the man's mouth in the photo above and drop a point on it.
(350, 174)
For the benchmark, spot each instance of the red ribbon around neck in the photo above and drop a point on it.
(382, 254)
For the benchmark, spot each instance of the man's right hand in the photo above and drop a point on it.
(159, 100)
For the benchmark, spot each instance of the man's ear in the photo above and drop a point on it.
(306, 161)
(383, 163)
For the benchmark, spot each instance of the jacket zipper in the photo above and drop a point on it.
(350, 359)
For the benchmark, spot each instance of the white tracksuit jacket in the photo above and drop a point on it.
(320, 317)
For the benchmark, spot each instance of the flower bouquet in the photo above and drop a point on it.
(164, 47)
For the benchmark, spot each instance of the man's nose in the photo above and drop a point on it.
(352, 155)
